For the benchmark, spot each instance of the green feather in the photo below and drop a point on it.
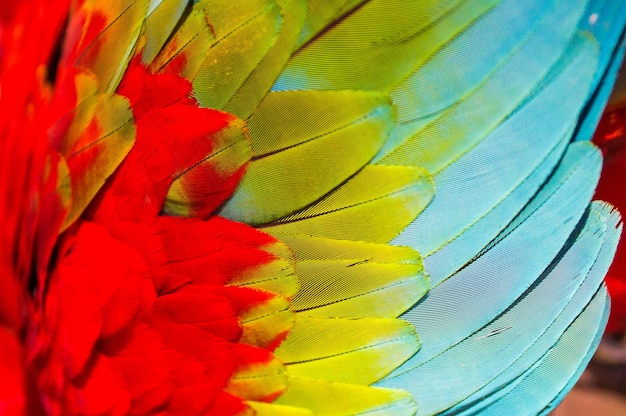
(374, 205)
(317, 347)
(254, 88)
(305, 144)
(244, 34)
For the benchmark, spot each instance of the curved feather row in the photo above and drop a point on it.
(135, 255)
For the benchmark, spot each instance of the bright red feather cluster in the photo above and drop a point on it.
(128, 311)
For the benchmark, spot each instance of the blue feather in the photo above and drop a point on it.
(438, 101)
(470, 364)
(543, 386)
(459, 251)
(498, 165)
(583, 359)
(595, 108)
(492, 98)
(568, 307)
(471, 298)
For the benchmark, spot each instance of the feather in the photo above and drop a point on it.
(462, 249)
(569, 189)
(429, 106)
(262, 379)
(306, 247)
(460, 127)
(535, 392)
(375, 145)
(202, 262)
(349, 288)
(104, 38)
(333, 398)
(161, 18)
(170, 150)
(99, 149)
(611, 47)
(184, 52)
(295, 166)
(316, 347)
(94, 137)
(321, 14)
(193, 192)
(552, 295)
(264, 318)
(377, 45)
(507, 379)
(504, 159)
(244, 34)
(343, 278)
(355, 210)
(272, 409)
(262, 77)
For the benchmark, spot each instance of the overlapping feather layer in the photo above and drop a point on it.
(341, 119)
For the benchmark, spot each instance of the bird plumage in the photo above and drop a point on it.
(304, 207)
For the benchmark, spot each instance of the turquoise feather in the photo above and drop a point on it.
(459, 251)
(490, 103)
(493, 102)
(496, 87)
(498, 386)
(504, 159)
(470, 364)
(599, 324)
(469, 299)
(543, 386)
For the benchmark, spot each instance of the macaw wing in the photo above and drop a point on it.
(386, 141)
(508, 219)
(577, 300)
